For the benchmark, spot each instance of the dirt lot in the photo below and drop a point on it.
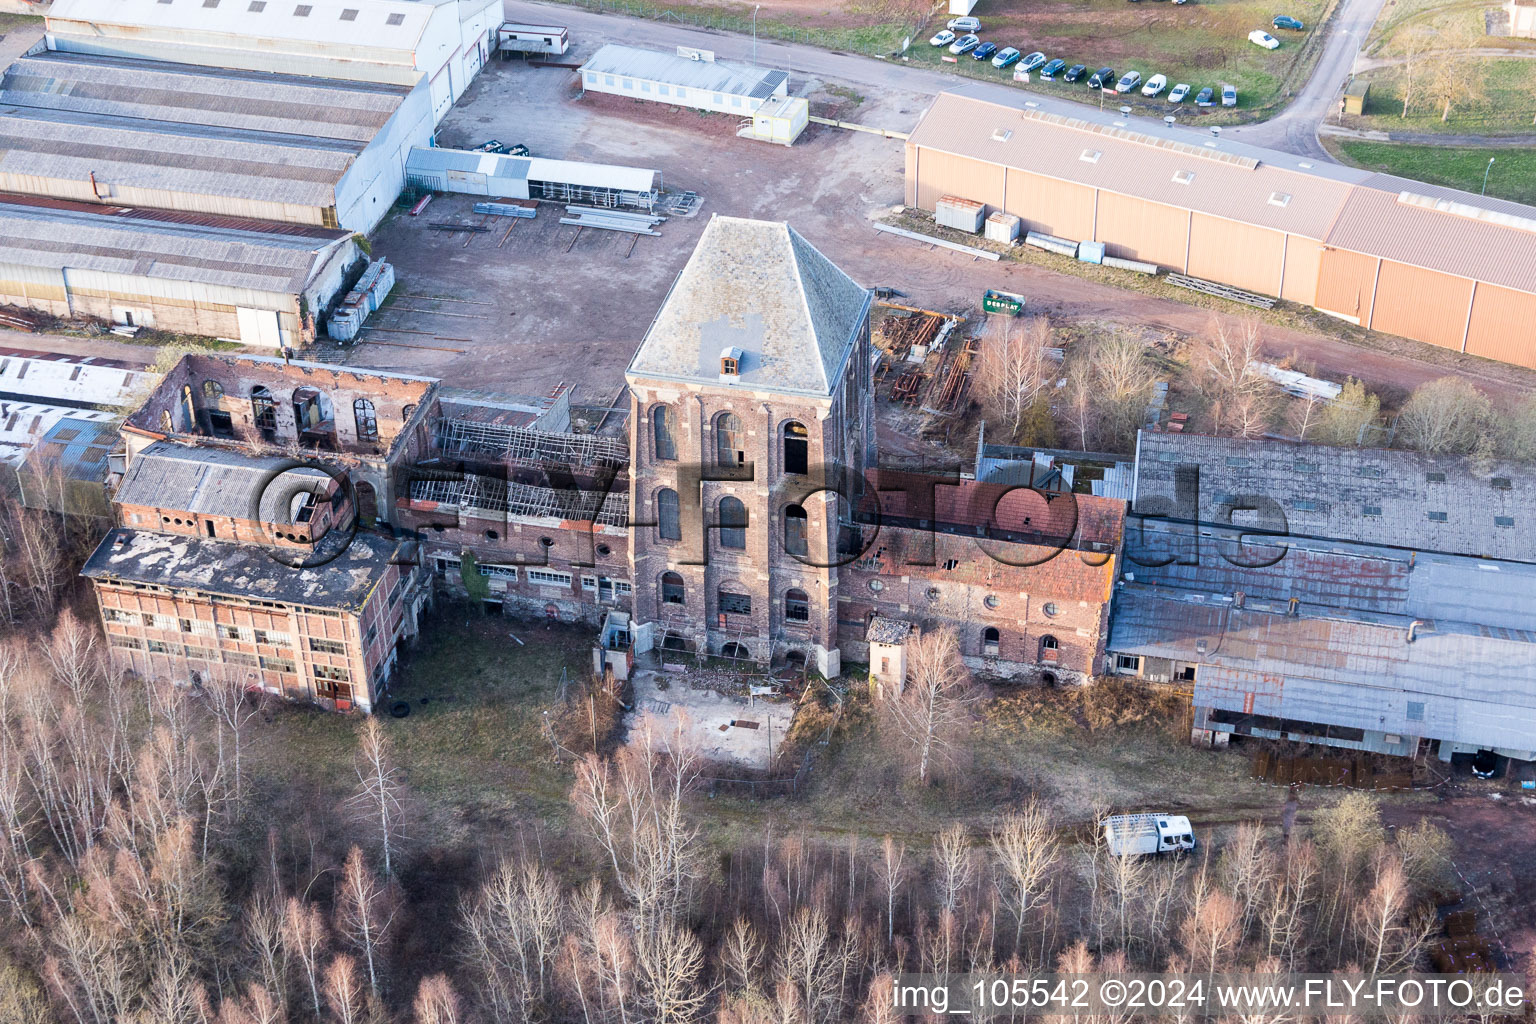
(721, 728)
(523, 311)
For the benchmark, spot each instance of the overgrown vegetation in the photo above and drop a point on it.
(1512, 176)
(169, 856)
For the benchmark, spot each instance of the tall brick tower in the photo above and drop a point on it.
(751, 401)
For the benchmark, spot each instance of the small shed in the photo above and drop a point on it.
(887, 655)
(1354, 95)
(780, 119)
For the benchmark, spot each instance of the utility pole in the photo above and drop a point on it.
(754, 32)
(1485, 175)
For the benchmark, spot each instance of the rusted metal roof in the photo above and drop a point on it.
(191, 217)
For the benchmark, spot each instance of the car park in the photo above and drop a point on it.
(1179, 92)
(964, 24)
(1006, 58)
(1258, 37)
(1155, 85)
(1104, 78)
(1129, 81)
(1074, 72)
(984, 51)
(944, 38)
(1033, 61)
(1205, 97)
(1228, 96)
(1286, 21)
(965, 44)
(1051, 70)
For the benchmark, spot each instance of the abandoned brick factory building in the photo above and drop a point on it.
(283, 519)
(285, 523)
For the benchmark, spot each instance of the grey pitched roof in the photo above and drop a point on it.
(1364, 495)
(169, 93)
(882, 630)
(56, 238)
(268, 167)
(215, 482)
(244, 570)
(760, 287)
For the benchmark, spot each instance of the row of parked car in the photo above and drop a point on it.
(961, 36)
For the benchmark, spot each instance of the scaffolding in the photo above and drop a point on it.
(471, 494)
(526, 444)
(591, 195)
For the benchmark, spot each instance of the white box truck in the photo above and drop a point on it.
(1137, 834)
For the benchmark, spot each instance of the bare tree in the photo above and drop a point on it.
(344, 992)
(513, 934)
(380, 788)
(808, 966)
(233, 708)
(935, 701)
(1390, 935)
(1414, 44)
(1024, 850)
(304, 938)
(671, 961)
(1225, 361)
(437, 1002)
(1123, 383)
(1445, 416)
(1012, 368)
(892, 875)
(364, 915)
(1211, 928)
(1458, 76)
(741, 957)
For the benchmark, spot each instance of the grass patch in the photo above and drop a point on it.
(1513, 175)
(1507, 106)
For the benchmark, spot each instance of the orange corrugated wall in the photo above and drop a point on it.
(1303, 259)
(1237, 254)
(1054, 207)
(1345, 281)
(1503, 325)
(1425, 305)
(1138, 230)
(943, 174)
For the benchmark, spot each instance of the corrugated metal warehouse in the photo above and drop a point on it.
(241, 280)
(1353, 597)
(1440, 266)
(443, 43)
(233, 143)
(681, 81)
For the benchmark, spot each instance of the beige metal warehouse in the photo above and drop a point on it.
(248, 281)
(1441, 266)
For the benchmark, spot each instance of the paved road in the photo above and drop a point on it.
(1293, 131)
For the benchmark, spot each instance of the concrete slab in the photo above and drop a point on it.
(722, 729)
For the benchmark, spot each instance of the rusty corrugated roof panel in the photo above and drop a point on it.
(207, 220)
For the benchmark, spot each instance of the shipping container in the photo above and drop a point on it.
(960, 214)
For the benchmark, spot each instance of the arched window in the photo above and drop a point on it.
(406, 411)
(797, 448)
(797, 606)
(671, 588)
(736, 651)
(661, 432)
(795, 542)
(212, 390)
(367, 421)
(730, 440)
(733, 523)
(668, 524)
(263, 412)
(991, 641)
(1048, 648)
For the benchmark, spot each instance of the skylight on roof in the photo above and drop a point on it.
(395, 19)
(1183, 177)
(257, 6)
(1279, 199)
(1090, 156)
(350, 14)
(1002, 134)
(302, 11)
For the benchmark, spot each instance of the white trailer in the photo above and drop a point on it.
(513, 38)
(1138, 834)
